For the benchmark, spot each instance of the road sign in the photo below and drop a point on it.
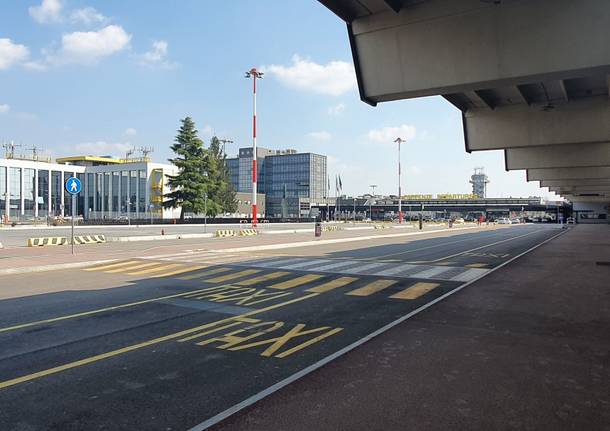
(73, 186)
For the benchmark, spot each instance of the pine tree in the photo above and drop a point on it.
(190, 185)
(224, 193)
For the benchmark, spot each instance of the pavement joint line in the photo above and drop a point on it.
(151, 342)
(311, 368)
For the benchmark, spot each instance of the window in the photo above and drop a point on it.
(142, 191)
(90, 194)
(133, 191)
(107, 195)
(3, 191)
(43, 193)
(67, 196)
(124, 191)
(98, 193)
(80, 198)
(116, 191)
(29, 178)
(56, 193)
(15, 191)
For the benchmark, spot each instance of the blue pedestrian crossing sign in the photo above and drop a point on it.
(73, 185)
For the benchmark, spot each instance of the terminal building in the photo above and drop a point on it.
(293, 183)
(33, 188)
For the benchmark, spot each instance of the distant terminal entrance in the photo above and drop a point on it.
(468, 207)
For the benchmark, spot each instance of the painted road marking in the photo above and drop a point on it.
(179, 271)
(204, 273)
(233, 276)
(471, 274)
(360, 269)
(149, 270)
(261, 278)
(112, 265)
(333, 284)
(477, 265)
(373, 287)
(415, 291)
(100, 310)
(337, 265)
(395, 270)
(430, 273)
(130, 267)
(303, 264)
(117, 352)
(288, 284)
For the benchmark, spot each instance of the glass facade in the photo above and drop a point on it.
(107, 195)
(3, 191)
(142, 191)
(29, 185)
(124, 191)
(14, 191)
(56, 191)
(116, 190)
(133, 191)
(90, 194)
(43, 193)
(80, 198)
(98, 192)
(67, 196)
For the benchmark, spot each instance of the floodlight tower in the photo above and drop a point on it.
(399, 141)
(254, 74)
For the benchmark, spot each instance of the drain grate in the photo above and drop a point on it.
(605, 263)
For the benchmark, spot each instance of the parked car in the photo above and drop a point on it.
(515, 221)
(459, 220)
(570, 220)
(503, 220)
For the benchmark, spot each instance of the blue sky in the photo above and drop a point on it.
(102, 76)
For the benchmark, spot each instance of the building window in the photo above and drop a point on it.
(107, 195)
(3, 191)
(80, 198)
(116, 191)
(56, 191)
(142, 191)
(15, 191)
(29, 178)
(124, 191)
(90, 194)
(98, 193)
(67, 196)
(43, 192)
(133, 191)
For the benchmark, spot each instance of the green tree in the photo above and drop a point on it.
(224, 192)
(191, 184)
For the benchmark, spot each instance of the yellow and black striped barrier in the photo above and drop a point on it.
(248, 232)
(381, 226)
(224, 233)
(330, 228)
(89, 239)
(49, 240)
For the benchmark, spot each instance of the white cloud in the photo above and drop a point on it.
(320, 136)
(4, 108)
(157, 56)
(207, 131)
(88, 16)
(12, 53)
(337, 109)
(387, 135)
(87, 47)
(130, 131)
(103, 148)
(48, 11)
(334, 78)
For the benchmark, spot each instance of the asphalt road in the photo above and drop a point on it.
(180, 340)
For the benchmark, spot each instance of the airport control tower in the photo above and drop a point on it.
(479, 183)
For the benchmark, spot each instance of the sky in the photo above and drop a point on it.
(100, 77)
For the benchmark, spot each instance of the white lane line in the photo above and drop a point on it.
(276, 262)
(296, 376)
(340, 264)
(471, 274)
(430, 273)
(395, 270)
(308, 262)
(361, 269)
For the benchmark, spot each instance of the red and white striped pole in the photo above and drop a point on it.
(253, 73)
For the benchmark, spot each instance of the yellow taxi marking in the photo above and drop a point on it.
(151, 270)
(308, 343)
(177, 271)
(373, 287)
(204, 273)
(415, 291)
(112, 265)
(132, 267)
(100, 310)
(91, 359)
(233, 276)
(288, 284)
(333, 284)
(476, 265)
(261, 278)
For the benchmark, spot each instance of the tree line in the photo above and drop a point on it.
(203, 184)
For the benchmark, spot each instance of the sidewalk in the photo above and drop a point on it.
(526, 348)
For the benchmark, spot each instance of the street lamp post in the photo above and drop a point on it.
(372, 186)
(254, 74)
(399, 141)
